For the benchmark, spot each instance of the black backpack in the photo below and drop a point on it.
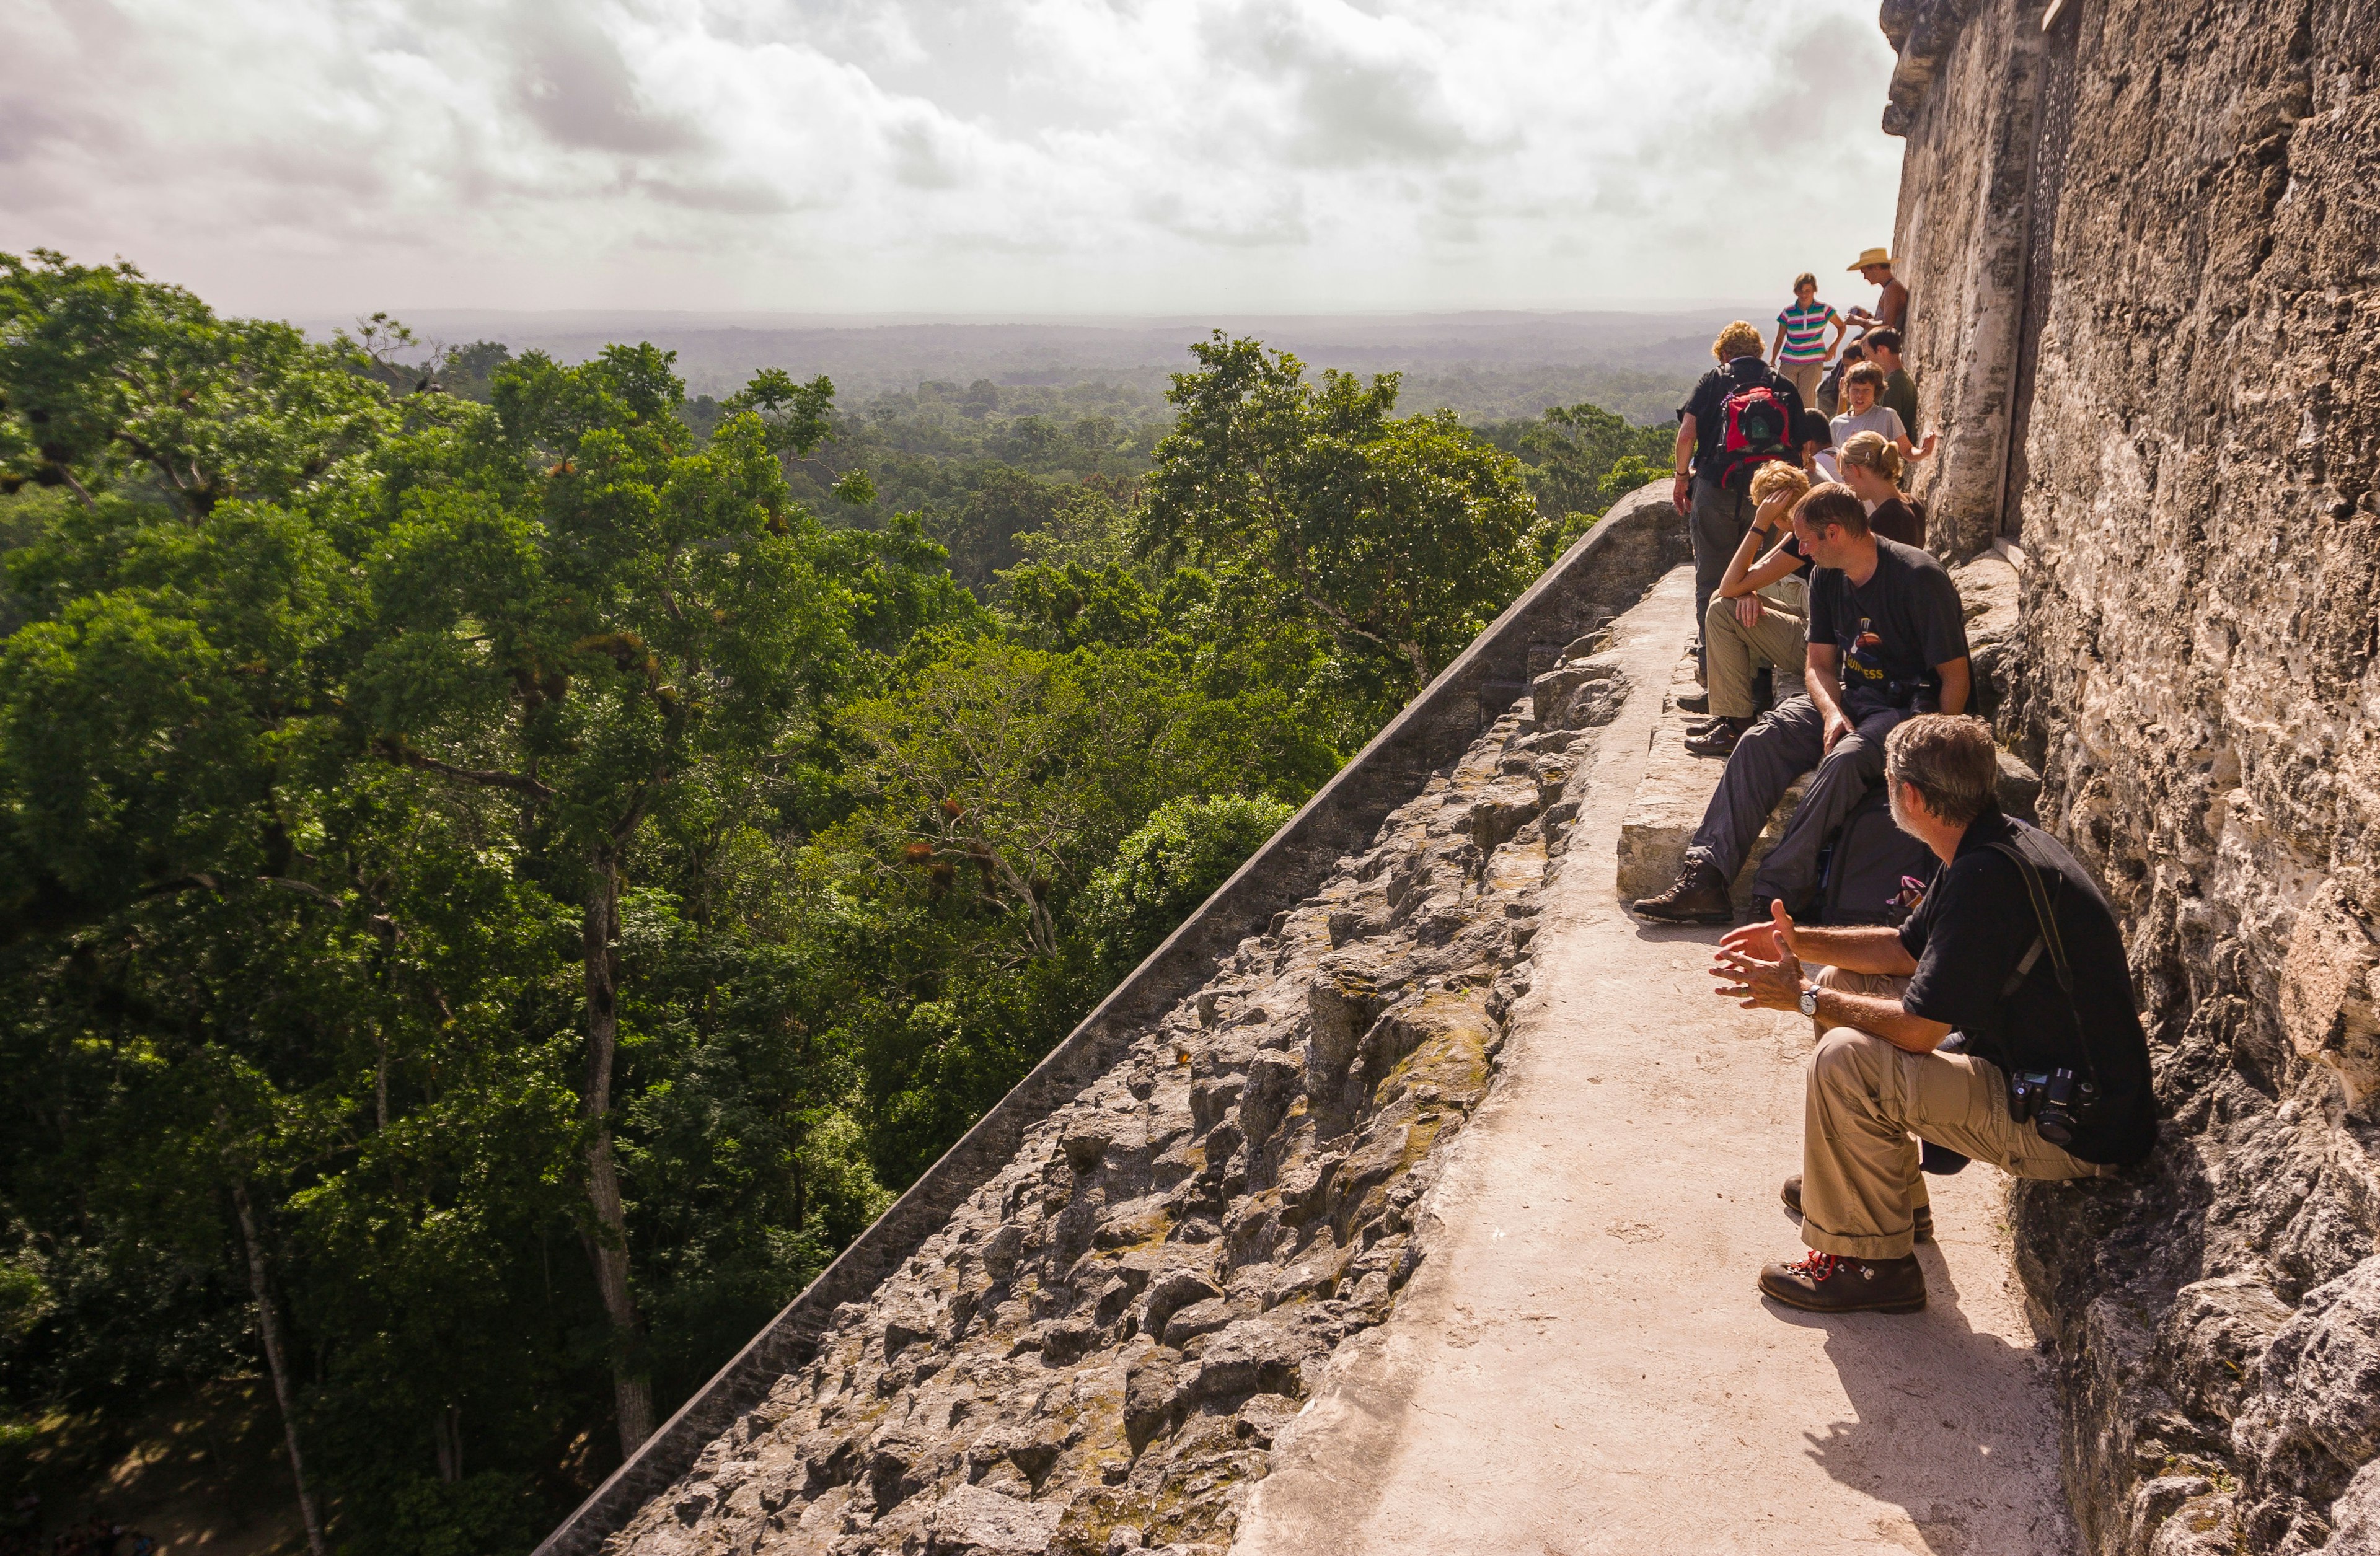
(1874, 872)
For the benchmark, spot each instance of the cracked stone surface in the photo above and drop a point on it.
(2196, 676)
(1095, 1353)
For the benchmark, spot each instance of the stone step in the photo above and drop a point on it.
(1670, 801)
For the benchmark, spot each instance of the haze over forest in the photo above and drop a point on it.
(1483, 365)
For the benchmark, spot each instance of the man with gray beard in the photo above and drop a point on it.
(2014, 950)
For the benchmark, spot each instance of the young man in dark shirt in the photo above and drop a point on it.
(1974, 959)
(1887, 635)
(1712, 496)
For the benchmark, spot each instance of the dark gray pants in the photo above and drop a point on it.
(1786, 743)
(1715, 519)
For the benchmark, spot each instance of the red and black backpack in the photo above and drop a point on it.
(1755, 427)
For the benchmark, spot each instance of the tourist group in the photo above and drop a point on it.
(1965, 976)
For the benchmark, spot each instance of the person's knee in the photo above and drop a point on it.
(1845, 1059)
(1719, 619)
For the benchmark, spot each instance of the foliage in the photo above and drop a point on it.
(493, 880)
(1169, 864)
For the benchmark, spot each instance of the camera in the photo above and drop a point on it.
(2053, 1102)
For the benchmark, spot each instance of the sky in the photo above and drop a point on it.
(991, 157)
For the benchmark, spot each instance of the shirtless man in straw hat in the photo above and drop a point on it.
(1874, 266)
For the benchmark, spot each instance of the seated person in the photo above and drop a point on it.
(1872, 469)
(1759, 611)
(1861, 386)
(1985, 956)
(1887, 638)
(1815, 435)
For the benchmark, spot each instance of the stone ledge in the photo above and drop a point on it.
(1670, 799)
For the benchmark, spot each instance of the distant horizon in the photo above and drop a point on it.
(792, 319)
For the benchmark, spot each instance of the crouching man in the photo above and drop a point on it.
(2014, 949)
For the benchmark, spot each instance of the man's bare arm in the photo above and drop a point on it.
(1865, 948)
(1884, 1017)
(1825, 689)
(1680, 463)
(1958, 683)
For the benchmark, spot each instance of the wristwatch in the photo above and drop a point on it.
(1810, 1001)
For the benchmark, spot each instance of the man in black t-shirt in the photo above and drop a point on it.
(1887, 637)
(1710, 491)
(1978, 958)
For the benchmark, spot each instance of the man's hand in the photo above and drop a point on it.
(1770, 940)
(1759, 982)
(1681, 488)
(1747, 609)
(1836, 727)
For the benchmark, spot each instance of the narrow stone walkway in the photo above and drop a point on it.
(1583, 1367)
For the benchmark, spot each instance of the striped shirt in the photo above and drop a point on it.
(1805, 330)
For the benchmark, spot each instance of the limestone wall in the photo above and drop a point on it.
(970, 1334)
(2188, 192)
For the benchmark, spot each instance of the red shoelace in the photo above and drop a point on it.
(1818, 1266)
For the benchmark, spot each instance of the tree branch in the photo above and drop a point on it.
(486, 778)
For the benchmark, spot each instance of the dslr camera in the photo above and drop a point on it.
(2053, 1102)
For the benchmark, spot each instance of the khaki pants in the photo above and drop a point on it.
(1733, 648)
(1806, 377)
(1866, 1104)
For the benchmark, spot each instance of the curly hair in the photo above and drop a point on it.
(1776, 477)
(1739, 339)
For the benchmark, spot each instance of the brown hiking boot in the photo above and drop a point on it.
(1924, 1217)
(1699, 898)
(1719, 739)
(1831, 1283)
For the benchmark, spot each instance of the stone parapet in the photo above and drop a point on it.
(1607, 571)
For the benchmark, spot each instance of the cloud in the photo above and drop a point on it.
(298, 156)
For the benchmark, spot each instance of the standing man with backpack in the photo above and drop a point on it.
(1739, 416)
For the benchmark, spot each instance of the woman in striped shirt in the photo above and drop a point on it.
(1801, 351)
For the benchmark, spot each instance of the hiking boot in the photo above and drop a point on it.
(1922, 1232)
(1694, 703)
(1699, 896)
(1719, 739)
(1832, 1283)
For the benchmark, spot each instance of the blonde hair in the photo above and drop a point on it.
(1776, 477)
(1869, 451)
(1738, 339)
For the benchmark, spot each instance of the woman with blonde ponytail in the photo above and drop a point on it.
(1872, 469)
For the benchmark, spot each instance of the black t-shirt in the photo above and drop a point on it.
(1891, 631)
(1706, 404)
(1791, 546)
(1899, 519)
(1970, 933)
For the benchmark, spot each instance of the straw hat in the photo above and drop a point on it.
(1870, 257)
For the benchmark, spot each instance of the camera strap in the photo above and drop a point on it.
(2045, 915)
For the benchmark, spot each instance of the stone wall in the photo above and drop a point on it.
(1262, 930)
(2193, 387)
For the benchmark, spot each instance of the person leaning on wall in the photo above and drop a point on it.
(2014, 953)
(1741, 415)
(1899, 393)
(1891, 310)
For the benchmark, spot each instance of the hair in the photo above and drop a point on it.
(1855, 352)
(1813, 427)
(1830, 502)
(1778, 476)
(1805, 279)
(1951, 760)
(1867, 373)
(1870, 451)
(1738, 339)
(1887, 337)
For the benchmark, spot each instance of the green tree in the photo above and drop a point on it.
(1397, 536)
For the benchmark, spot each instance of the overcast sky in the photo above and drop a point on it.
(302, 157)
